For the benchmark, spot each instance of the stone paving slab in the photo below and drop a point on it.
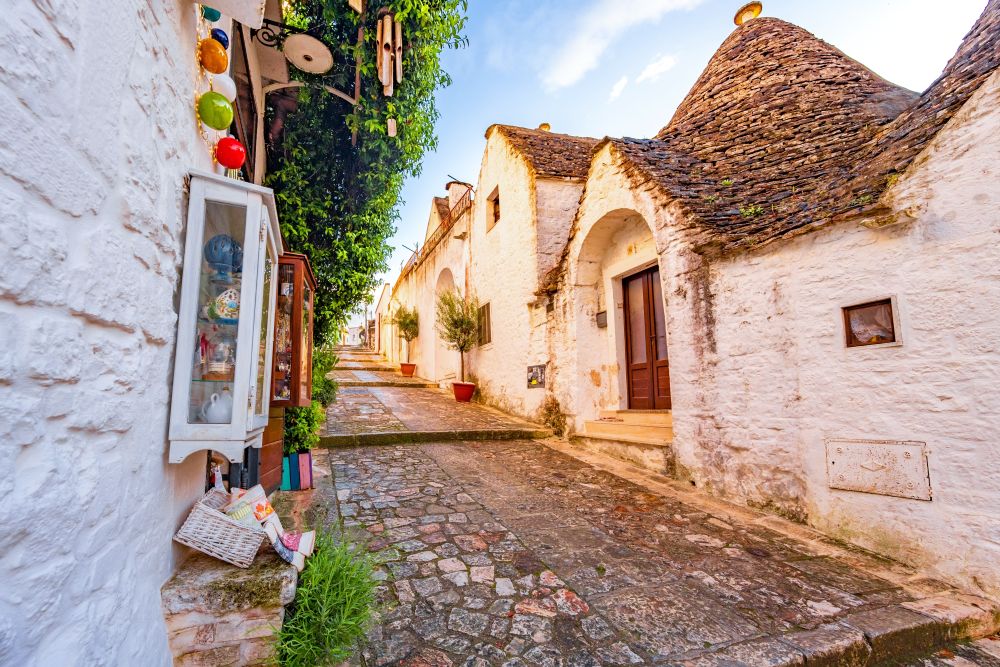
(511, 553)
(383, 415)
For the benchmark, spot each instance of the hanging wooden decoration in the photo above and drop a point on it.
(391, 127)
(398, 53)
(355, 5)
(387, 51)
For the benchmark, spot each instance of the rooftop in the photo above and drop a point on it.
(549, 153)
(768, 142)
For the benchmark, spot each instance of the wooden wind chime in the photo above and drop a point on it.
(389, 38)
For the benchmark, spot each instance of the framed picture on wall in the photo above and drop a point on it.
(536, 377)
(872, 323)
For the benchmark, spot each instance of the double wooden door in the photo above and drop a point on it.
(646, 342)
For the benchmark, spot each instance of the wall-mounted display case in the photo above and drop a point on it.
(222, 369)
(293, 328)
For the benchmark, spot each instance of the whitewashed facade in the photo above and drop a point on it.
(98, 137)
(762, 383)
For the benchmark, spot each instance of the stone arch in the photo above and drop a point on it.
(618, 243)
(445, 358)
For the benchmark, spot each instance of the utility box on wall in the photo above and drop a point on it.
(293, 327)
(222, 367)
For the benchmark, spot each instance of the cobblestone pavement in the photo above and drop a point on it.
(360, 410)
(510, 553)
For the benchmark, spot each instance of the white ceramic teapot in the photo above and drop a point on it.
(218, 409)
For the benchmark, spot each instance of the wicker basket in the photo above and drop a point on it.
(210, 531)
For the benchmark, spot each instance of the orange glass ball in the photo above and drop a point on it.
(212, 56)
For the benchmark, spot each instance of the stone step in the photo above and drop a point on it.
(406, 437)
(657, 455)
(651, 433)
(650, 417)
(364, 367)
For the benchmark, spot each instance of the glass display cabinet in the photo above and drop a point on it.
(293, 327)
(222, 369)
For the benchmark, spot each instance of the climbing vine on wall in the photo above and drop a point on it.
(338, 201)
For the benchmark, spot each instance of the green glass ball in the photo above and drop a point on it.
(215, 110)
(210, 14)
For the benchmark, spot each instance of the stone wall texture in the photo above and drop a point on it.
(98, 134)
(760, 373)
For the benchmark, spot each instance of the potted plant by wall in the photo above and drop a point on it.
(458, 325)
(409, 326)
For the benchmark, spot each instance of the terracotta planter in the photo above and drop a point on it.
(463, 391)
(407, 369)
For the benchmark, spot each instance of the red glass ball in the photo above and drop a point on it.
(230, 153)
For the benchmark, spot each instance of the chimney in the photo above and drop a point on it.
(545, 127)
(456, 190)
(747, 13)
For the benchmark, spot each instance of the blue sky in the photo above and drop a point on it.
(620, 68)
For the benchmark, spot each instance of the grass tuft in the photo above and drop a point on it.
(333, 606)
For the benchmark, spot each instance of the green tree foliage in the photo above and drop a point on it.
(338, 202)
(408, 321)
(458, 322)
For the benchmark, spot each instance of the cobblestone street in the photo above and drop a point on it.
(512, 553)
(516, 552)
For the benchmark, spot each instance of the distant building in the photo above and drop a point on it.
(798, 277)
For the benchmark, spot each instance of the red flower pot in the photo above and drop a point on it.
(407, 369)
(463, 391)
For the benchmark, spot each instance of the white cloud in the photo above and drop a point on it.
(617, 89)
(656, 68)
(596, 28)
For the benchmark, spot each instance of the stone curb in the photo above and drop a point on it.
(367, 367)
(386, 383)
(405, 437)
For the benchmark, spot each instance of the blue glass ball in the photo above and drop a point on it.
(219, 35)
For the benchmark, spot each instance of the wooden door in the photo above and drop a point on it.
(648, 371)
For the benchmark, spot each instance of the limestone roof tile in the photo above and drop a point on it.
(783, 132)
(550, 153)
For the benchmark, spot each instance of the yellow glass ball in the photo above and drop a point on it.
(212, 56)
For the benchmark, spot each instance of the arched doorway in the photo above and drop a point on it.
(620, 323)
(445, 358)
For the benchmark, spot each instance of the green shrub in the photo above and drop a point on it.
(458, 322)
(333, 606)
(302, 427)
(408, 321)
(324, 389)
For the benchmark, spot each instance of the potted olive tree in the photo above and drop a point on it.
(458, 325)
(409, 326)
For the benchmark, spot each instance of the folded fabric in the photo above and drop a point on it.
(243, 513)
(286, 554)
(257, 499)
(301, 542)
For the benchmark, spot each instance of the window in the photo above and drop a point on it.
(485, 333)
(872, 323)
(493, 208)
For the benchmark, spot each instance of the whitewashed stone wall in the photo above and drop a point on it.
(98, 134)
(504, 273)
(783, 380)
(761, 376)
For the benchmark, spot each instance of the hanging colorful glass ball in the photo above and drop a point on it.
(215, 111)
(210, 14)
(224, 85)
(230, 153)
(212, 56)
(219, 35)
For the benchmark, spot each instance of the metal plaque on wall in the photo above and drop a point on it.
(886, 467)
(536, 377)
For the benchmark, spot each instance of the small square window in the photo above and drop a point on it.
(872, 323)
(493, 208)
(485, 332)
